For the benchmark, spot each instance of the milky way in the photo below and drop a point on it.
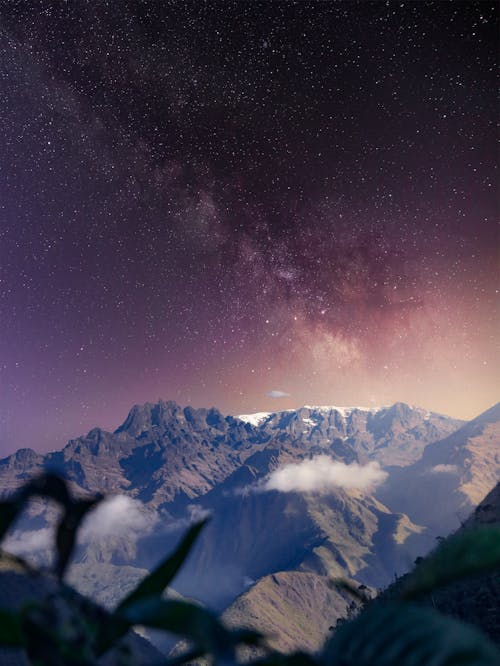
(212, 202)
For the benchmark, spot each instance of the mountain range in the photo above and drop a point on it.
(296, 497)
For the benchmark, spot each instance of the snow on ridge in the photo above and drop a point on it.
(345, 411)
(258, 418)
(254, 419)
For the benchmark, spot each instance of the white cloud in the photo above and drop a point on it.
(322, 475)
(196, 513)
(444, 469)
(277, 394)
(117, 515)
(30, 541)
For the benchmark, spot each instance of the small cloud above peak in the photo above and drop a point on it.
(277, 394)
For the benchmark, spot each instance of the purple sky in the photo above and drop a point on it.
(209, 202)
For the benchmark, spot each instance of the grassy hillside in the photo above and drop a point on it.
(295, 608)
(475, 600)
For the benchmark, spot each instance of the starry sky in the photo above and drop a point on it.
(253, 205)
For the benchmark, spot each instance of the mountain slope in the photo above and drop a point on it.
(254, 533)
(295, 609)
(476, 599)
(183, 462)
(451, 477)
(160, 453)
(394, 435)
(487, 511)
(164, 453)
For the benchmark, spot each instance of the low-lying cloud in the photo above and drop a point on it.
(321, 474)
(26, 542)
(196, 513)
(445, 469)
(118, 515)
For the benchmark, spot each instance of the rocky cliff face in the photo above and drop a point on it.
(160, 453)
(395, 435)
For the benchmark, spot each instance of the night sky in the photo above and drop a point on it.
(212, 202)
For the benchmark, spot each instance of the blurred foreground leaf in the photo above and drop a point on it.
(464, 554)
(67, 531)
(155, 583)
(56, 633)
(278, 659)
(9, 510)
(11, 633)
(48, 485)
(181, 618)
(151, 587)
(403, 634)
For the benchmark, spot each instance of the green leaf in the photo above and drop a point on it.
(190, 621)
(9, 510)
(111, 629)
(159, 578)
(67, 531)
(181, 618)
(403, 634)
(52, 640)
(48, 485)
(152, 585)
(278, 659)
(177, 617)
(243, 636)
(11, 633)
(464, 554)
(51, 486)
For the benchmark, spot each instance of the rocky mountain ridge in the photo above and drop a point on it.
(183, 463)
(452, 476)
(163, 452)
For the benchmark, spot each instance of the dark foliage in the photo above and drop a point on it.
(65, 629)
